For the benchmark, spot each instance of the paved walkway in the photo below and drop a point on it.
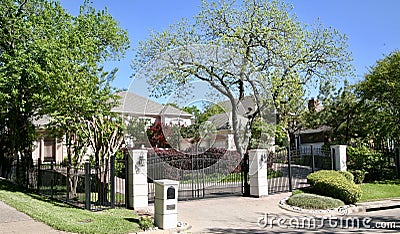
(224, 215)
(13, 221)
(228, 213)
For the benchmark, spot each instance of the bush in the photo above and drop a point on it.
(312, 201)
(348, 175)
(317, 176)
(334, 184)
(297, 191)
(145, 223)
(374, 163)
(359, 176)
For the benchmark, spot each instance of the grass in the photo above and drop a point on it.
(66, 218)
(380, 190)
(312, 201)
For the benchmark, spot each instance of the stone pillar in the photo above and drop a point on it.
(137, 179)
(165, 204)
(41, 149)
(258, 172)
(339, 158)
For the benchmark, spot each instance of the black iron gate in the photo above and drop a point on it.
(288, 168)
(199, 175)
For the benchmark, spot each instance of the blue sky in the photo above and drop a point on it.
(372, 26)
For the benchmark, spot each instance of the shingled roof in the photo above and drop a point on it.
(134, 104)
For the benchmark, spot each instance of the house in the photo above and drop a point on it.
(224, 136)
(315, 137)
(49, 149)
(135, 106)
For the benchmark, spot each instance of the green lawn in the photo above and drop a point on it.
(380, 190)
(66, 218)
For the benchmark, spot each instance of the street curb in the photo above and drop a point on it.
(339, 211)
(386, 204)
(392, 203)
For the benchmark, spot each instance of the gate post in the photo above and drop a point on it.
(112, 181)
(397, 161)
(258, 172)
(245, 175)
(87, 186)
(137, 175)
(339, 160)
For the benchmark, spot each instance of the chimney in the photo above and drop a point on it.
(312, 105)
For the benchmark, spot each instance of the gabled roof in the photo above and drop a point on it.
(134, 104)
(224, 121)
(243, 107)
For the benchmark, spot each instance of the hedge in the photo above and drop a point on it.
(313, 201)
(334, 184)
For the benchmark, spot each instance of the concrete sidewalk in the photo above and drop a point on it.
(227, 213)
(13, 221)
(233, 214)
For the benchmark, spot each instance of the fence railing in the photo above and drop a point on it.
(85, 186)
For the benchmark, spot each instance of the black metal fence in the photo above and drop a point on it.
(85, 186)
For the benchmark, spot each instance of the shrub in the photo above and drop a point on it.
(348, 175)
(334, 184)
(316, 176)
(359, 176)
(313, 201)
(374, 163)
(297, 191)
(145, 223)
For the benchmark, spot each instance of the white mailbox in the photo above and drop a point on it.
(165, 203)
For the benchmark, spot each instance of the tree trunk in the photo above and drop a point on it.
(73, 183)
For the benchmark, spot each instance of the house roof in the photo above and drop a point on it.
(316, 130)
(224, 121)
(133, 104)
(41, 122)
(243, 107)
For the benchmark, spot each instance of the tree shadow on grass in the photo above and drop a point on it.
(14, 188)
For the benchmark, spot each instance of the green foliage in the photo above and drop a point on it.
(370, 161)
(349, 176)
(281, 138)
(359, 176)
(288, 56)
(380, 92)
(297, 191)
(145, 223)
(312, 201)
(343, 113)
(51, 65)
(334, 184)
(137, 131)
(261, 133)
(271, 173)
(120, 167)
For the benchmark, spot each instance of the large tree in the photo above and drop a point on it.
(344, 114)
(26, 55)
(51, 64)
(381, 97)
(254, 48)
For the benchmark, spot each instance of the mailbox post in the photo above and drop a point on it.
(165, 204)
